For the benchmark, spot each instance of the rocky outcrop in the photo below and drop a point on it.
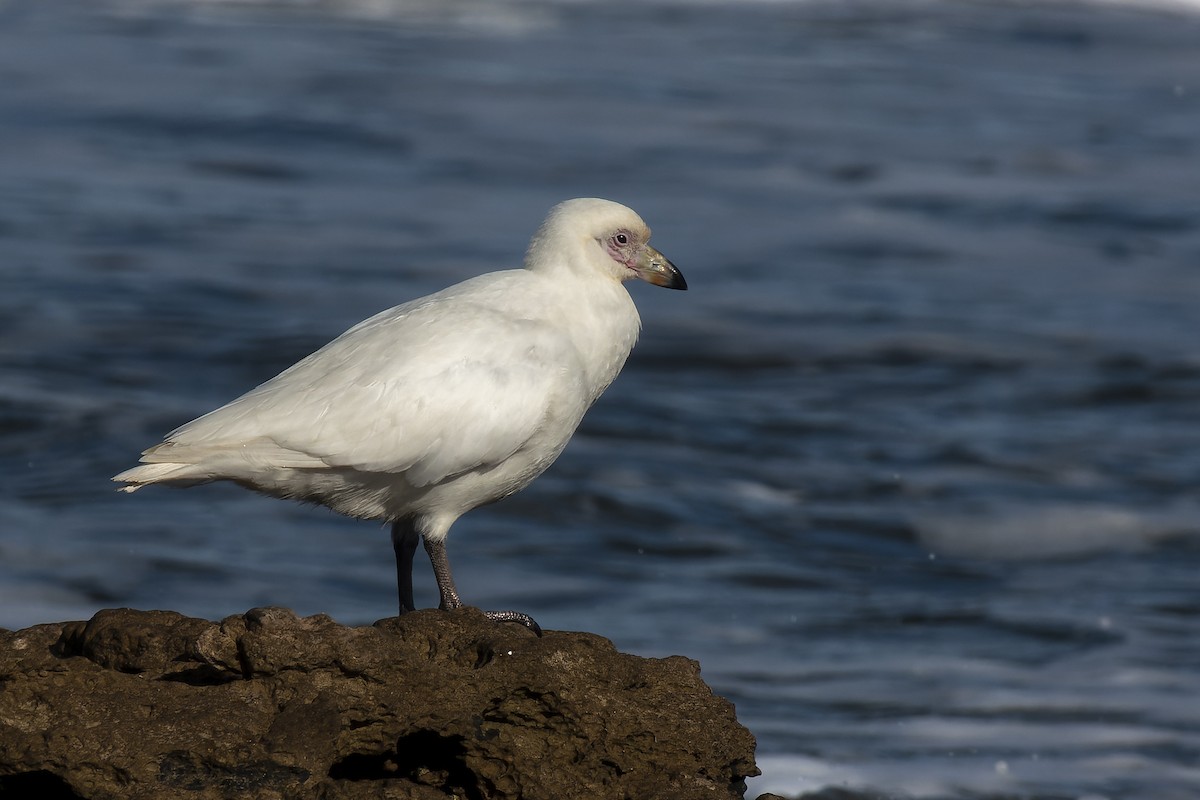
(141, 705)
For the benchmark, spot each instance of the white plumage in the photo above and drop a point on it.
(442, 404)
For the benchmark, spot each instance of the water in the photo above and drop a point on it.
(911, 470)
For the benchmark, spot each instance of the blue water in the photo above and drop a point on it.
(911, 469)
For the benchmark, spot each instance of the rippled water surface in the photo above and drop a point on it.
(911, 470)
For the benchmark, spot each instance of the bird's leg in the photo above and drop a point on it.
(404, 542)
(441, 571)
(450, 598)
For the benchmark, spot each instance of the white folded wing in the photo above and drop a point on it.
(431, 389)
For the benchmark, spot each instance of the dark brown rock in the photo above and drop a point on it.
(141, 705)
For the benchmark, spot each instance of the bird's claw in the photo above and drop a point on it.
(515, 616)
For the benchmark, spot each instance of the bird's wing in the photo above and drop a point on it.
(429, 390)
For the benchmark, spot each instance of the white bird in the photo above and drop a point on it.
(440, 405)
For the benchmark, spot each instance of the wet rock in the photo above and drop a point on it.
(141, 705)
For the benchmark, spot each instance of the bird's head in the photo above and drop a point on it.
(602, 236)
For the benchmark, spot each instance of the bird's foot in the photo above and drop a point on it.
(436, 548)
(515, 616)
(497, 616)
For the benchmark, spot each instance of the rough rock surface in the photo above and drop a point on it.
(152, 704)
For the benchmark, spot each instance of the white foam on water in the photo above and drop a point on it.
(1055, 530)
(963, 775)
(913, 778)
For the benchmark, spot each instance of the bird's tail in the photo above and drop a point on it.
(175, 474)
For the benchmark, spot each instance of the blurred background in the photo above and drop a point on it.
(911, 469)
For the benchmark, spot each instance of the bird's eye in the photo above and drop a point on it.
(621, 239)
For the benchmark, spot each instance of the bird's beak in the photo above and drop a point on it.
(653, 267)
